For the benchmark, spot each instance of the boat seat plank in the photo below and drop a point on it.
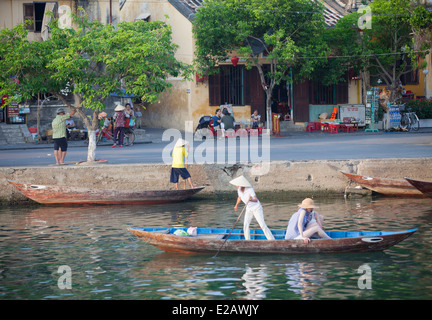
(209, 236)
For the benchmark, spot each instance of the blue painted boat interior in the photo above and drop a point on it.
(258, 234)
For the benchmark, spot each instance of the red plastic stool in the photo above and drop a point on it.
(254, 132)
(242, 133)
(333, 128)
(230, 133)
(349, 128)
(311, 127)
(324, 126)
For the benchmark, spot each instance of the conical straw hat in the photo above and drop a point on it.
(180, 143)
(240, 182)
(307, 203)
(119, 108)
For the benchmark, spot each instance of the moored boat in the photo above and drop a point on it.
(424, 187)
(385, 186)
(214, 239)
(68, 195)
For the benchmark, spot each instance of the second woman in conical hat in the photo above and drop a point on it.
(253, 207)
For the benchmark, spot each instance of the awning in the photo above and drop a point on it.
(143, 16)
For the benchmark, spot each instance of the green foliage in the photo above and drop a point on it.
(343, 50)
(23, 72)
(384, 50)
(289, 29)
(391, 40)
(93, 60)
(423, 108)
(103, 59)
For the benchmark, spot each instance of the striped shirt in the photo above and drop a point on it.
(59, 126)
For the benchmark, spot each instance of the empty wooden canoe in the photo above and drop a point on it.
(424, 187)
(67, 195)
(385, 186)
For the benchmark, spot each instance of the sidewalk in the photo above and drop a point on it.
(154, 135)
(151, 135)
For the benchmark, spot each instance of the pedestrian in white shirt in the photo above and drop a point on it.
(253, 207)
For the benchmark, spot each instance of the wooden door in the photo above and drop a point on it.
(301, 101)
(254, 93)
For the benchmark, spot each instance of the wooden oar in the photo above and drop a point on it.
(231, 230)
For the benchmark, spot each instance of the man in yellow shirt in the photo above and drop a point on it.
(178, 165)
(59, 134)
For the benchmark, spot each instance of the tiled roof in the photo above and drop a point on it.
(193, 4)
(189, 8)
(331, 16)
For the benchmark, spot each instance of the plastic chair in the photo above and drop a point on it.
(346, 128)
(333, 128)
(230, 133)
(241, 133)
(311, 127)
(254, 132)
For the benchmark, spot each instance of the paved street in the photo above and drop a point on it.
(292, 146)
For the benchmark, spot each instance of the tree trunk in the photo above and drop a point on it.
(268, 89)
(91, 151)
(91, 126)
(269, 111)
(39, 109)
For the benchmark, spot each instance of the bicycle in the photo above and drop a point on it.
(409, 119)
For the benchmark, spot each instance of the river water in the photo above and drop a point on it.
(41, 245)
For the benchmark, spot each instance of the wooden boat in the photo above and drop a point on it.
(386, 186)
(210, 240)
(67, 195)
(424, 187)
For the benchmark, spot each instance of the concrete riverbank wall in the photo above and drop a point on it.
(318, 178)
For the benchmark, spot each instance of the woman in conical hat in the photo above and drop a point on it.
(119, 107)
(305, 223)
(119, 125)
(253, 207)
(178, 168)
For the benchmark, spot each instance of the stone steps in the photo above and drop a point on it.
(287, 126)
(14, 134)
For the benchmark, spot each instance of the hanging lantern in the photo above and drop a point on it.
(234, 61)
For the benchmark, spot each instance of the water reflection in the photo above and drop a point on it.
(109, 263)
(255, 282)
(303, 279)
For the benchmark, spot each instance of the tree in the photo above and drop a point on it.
(420, 19)
(385, 49)
(91, 61)
(345, 51)
(389, 44)
(23, 72)
(284, 31)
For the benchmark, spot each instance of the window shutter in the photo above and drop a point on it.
(28, 9)
(214, 90)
